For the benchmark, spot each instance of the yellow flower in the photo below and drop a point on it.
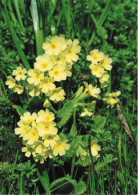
(93, 91)
(112, 101)
(97, 70)
(19, 73)
(27, 118)
(54, 46)
(35, 76)
(28, 150)
(59, 59)
(50, 140)
(34, 90)
(46, 128)
(60, 147)
(71, 51)
(31, 136)
(83, 155)
(45, 116)
(44, 63)
(23, 128)
(86, 112)
(39, 147)
(115, 94)
(11, 82)
(95, 56)
(57, 94)
(18, 89)
(94, 149)
(46, 103)
(106, 63)
(47, 84)
(58, 72)
(104, 78)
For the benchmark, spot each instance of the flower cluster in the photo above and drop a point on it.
(53, 66)
(39, 134)
(112, 98)
(100, 64)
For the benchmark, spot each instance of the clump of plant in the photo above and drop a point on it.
(50, 127)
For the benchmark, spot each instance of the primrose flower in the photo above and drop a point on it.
(10, 82)
(106, 63)
(44, 63)
(22, 129)
(35, 76)
(93, 91)
(71, 51)
(57, 94)
(34, 90)
(53, 46)
(115, 94)
(19, 73)
(104, 78)
(28, 150)
(28, 118)
(60, 147)
(45, 116)
(95, 56)
(31, 136)
(18, 89)
(86, 112)
(59, 59)
(83, 155)
(50, 140)
(97, 70)
(47, 103)
(58, 73)
(94, 150)
(46, 128)
(47, 84)
(39, 147)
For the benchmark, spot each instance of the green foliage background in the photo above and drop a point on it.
(108, 25)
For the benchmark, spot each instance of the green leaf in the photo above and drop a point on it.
(99, 122)
(80, 188)
(107, 159)
(72, 131)
(45, 181)
(65, 113)
(16, 39)
(19, 110)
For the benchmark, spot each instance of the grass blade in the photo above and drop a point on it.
(37, 30)
(16, 39)
(18, 12)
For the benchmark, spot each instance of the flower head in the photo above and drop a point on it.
(60, 147)
(95, 148)
(35, 76)
(10, 82)
(95, 56)
(19, 73)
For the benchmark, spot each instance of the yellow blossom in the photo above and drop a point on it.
(46, 103)
(93, 91)
(28, 150)
(43, 63)
(106, 63)
(23, 128)
(35, 76)
(60, 148)
(19, 73)
(34, 90)
(31, 136)
(28, 118)
(53, 46)
(46, 128)
(97, 70)
(18, 89)
(58, 72)
(47, 84)
(71, 51)
(95, 148)
(45, 116)
(95, 56)
(86, 112)
(50, 140)
(57, 94)
(10, 82)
